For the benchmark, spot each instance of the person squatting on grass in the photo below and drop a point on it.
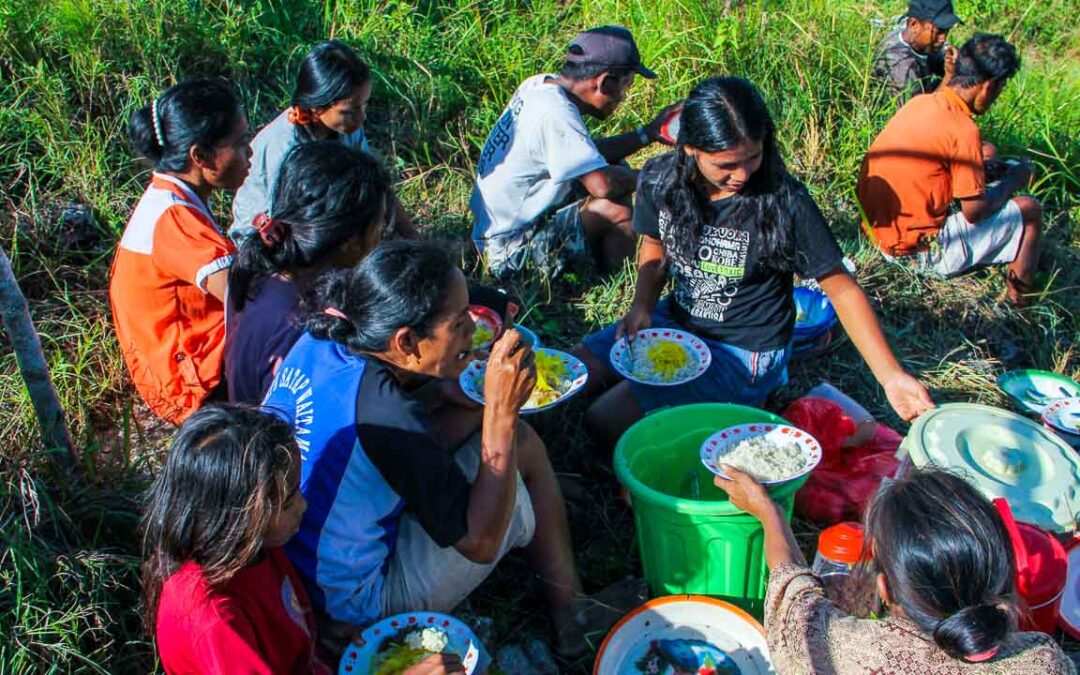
(923, 185)
(412, 503)
(939, 555)
(329, 103)
(219, 594)
(913, 58)
(546, 192)
(168, 279)
(331, 202)
(721, 216)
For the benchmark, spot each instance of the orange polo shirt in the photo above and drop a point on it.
(929, 154)
(171, 331)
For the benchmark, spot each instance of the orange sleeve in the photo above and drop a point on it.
(188, 247)
(966, 171)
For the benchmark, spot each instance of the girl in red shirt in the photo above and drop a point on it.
(219, 594)
(168, 279)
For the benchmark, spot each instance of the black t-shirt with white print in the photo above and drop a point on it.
(722, 291)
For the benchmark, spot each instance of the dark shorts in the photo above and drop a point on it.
(735, 375)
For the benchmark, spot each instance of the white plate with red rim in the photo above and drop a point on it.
(1063, 415)
(719, 444)
(697, 352)
(1069, 611)
(471, 380)
(489, 326)
(361, 656)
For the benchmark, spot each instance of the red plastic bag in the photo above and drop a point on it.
(841, 486)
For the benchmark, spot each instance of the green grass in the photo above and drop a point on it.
(71, 71)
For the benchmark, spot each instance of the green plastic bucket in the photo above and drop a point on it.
(691, 538)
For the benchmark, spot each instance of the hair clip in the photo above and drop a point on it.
(300, 117)
(336, 313)
(271, 231)
(159, 135)
(982, 656)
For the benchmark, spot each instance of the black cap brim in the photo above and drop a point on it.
(946, 20)
(645, 72)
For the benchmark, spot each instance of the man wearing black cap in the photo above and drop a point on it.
(546, 191)
(913, 58)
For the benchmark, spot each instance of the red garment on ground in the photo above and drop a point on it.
(842, 485)
(260, 622)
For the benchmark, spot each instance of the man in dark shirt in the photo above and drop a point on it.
(913, 58)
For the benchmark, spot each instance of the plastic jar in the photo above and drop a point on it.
(840, 549)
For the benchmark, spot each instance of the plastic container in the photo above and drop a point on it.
(802, 350)
(1042, 569)
(839, 549)
(1069, 619)
(814, 314)
(1003, 455)
(691, 538)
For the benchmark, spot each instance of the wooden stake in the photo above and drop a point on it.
(32, 366)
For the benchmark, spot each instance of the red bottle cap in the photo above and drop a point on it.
(842, 543)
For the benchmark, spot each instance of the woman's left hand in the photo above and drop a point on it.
(751, 496)
(908, 397)
(744, 491)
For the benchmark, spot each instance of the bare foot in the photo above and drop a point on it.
(570, 641)
(595, 614)
(1017, 290)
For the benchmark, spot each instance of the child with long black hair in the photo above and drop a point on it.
(330, 203)
(168, 280)
(329, 103)
(219, 594)
(943, 569)
(722, 218)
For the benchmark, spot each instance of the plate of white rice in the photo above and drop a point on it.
(771, 453)
(661, 357)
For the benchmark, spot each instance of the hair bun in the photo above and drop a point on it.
(974, 630)
(143, 135)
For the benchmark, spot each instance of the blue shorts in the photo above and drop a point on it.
(734, 376)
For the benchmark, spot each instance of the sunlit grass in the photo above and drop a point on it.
(71, 71)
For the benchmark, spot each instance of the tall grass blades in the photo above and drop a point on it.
(71, 71)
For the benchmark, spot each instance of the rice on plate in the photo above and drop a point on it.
(771, 453)
(765, 459)
(664, 362)
(397, 643)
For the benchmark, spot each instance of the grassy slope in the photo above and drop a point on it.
(72, 70)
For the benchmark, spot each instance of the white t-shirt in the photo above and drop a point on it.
(530, 159)
(268, 150)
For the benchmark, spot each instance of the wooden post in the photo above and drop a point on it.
(32, 366)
